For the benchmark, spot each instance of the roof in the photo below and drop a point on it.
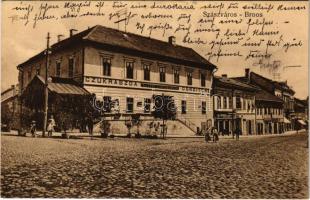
(230, 82)
(283, 86)
(261, 95)
(124, 40)
(64, 87)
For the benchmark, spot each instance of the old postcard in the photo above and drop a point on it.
(154, 99)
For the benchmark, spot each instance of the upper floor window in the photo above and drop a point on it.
(58, 64)
(162, 74)
(189, 78)
(71, 66)
(176, 76)
(202, 80)
(219, 103)
(129, 70)
(225, 102)
(106, 65)
(238, 102)
(146, 72)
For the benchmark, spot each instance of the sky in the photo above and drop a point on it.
(20, 42)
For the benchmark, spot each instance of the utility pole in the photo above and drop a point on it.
(47, 52)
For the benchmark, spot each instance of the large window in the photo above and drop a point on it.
(146, 72)
(203, 107)
(176, 76)
(162, 74)
(129, 107)
(58, 65)
(71, 66)
(238, 102)
(202, 80)
(189, 78)
(183, 103)
(106, 65)
(147, 105)
(129, 70)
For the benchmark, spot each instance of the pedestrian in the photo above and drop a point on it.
(215, 134)
(50, 126)
(207, 135)
(90, 125)
(238, 132)
(33, 128)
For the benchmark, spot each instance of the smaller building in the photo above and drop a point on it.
(9, 110)
(233, 106)
(269, 114)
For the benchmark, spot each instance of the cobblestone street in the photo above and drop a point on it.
(254, 167)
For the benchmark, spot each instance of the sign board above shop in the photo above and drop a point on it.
(91, 80)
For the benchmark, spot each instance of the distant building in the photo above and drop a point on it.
(9, 107)
(269, 113)
(131, 71)
(234, 106)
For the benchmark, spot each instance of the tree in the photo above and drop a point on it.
(164, 109)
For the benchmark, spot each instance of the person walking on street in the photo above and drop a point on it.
(207, 135)
(215, 135)
(90, 125)
(33, 128)
(238, 132)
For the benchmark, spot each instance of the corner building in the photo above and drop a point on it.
(131, 70)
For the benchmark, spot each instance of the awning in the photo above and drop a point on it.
(63, 88)
(286, 121)
(302, 122)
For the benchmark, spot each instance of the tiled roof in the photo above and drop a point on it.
(218, 81)
(115, 38)
(261, 95)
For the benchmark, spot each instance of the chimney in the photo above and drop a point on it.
(247, 73)
(224, 75)
(171, 40)
(12, 86)
(72, 31)
(59, 37)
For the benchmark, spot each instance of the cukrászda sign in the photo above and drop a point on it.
(135, 84)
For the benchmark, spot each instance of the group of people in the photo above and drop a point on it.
(212, 134)
(51, 124)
